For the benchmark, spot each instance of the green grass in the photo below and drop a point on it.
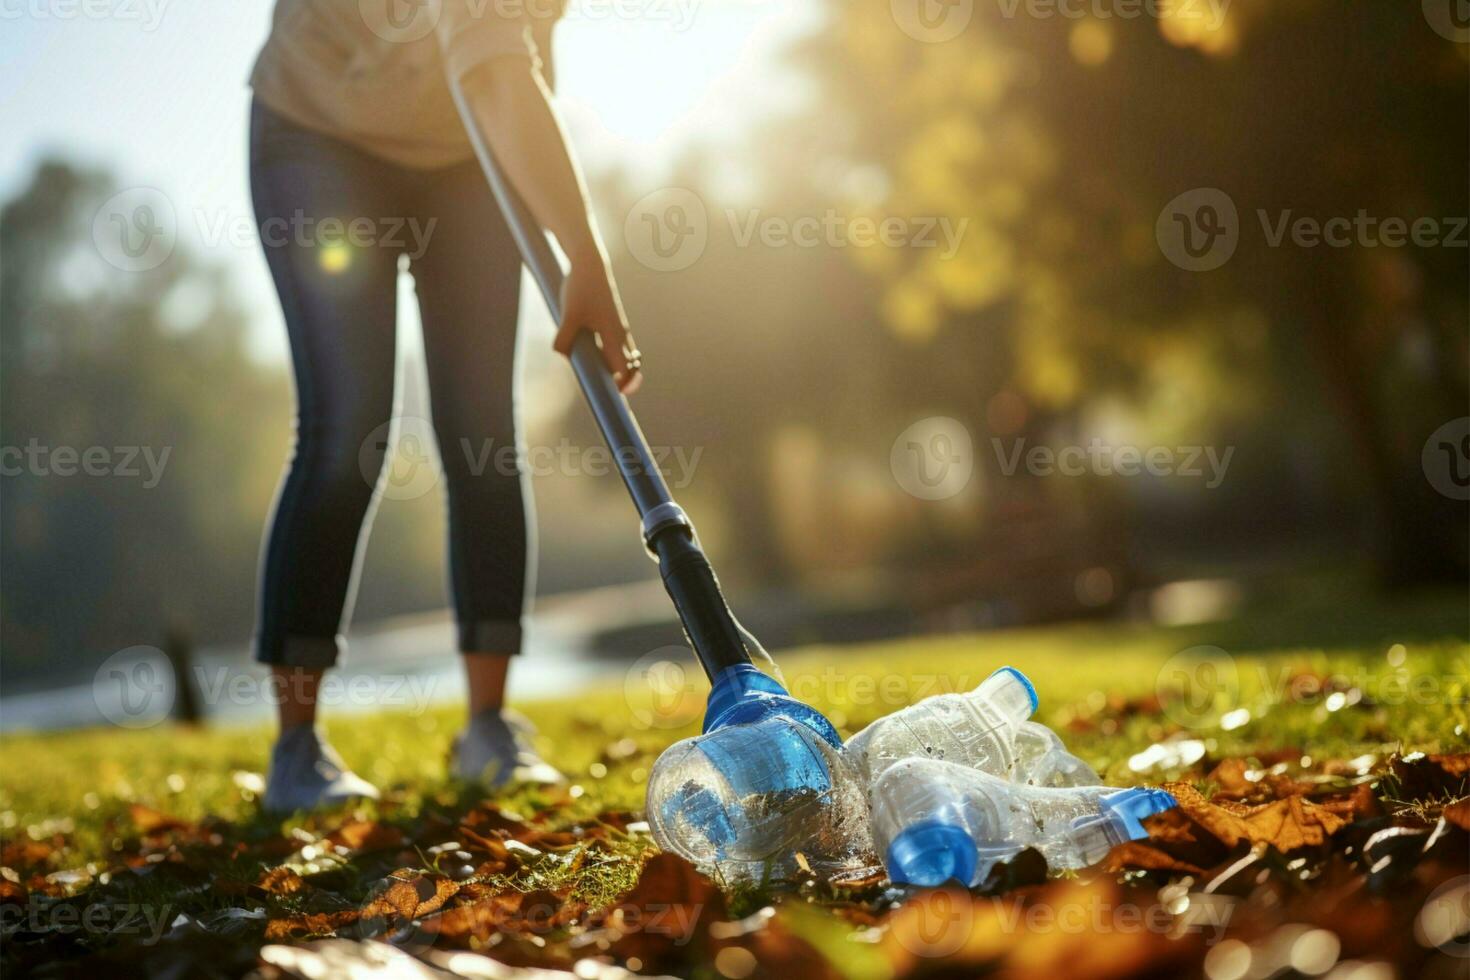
(1095, 681)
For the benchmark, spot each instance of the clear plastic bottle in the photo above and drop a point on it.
(1042, 760)
(766, 779)
(977, 729)
(935, 821)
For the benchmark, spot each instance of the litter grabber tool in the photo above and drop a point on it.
(763, 753)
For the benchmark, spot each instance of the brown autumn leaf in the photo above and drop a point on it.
(1286, 824)
(489, 820)
(669, 878)
(664, 921)
(295, 927)
(1092, 930)
(1358, 803)
(1229, 776)
(478, 920)
(778, 953)
(151, 821)
(551, 840)
(366, 835)
(1143, 855)
(408, 895)
(475, 841)
(282, 881)
(1458, 813)
(26, 854)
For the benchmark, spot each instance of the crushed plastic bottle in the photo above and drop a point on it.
(1042, 760)
(766, 779)
(935, 821)
(978, 729)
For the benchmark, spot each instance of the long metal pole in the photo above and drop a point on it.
(667, 531)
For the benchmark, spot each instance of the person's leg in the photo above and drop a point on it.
(485, 673)
(338, 301)
(468, 281)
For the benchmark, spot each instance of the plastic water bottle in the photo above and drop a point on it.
(977, 729)
(765, 780)
(1042, 760)
(935, 821)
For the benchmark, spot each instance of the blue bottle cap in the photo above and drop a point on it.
(930, 853)
(1025, 682)
(1128, 807)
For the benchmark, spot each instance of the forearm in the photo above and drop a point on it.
(510, 105)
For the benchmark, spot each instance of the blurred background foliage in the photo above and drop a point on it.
(794, 369)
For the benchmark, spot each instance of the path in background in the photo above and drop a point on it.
(401, 661)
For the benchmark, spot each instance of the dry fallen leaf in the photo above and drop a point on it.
(366, 835)
(1285, 824)
(150, 821)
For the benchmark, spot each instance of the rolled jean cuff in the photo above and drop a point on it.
(295, 650)
(491, 636)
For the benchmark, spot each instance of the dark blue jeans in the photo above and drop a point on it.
(335, 221)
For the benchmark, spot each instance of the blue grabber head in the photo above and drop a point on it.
(742, 695)
(746, 788)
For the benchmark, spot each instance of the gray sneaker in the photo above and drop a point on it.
(495, 748)
(307, 773)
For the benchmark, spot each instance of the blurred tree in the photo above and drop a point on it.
(149, 372)
(1061, 138)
